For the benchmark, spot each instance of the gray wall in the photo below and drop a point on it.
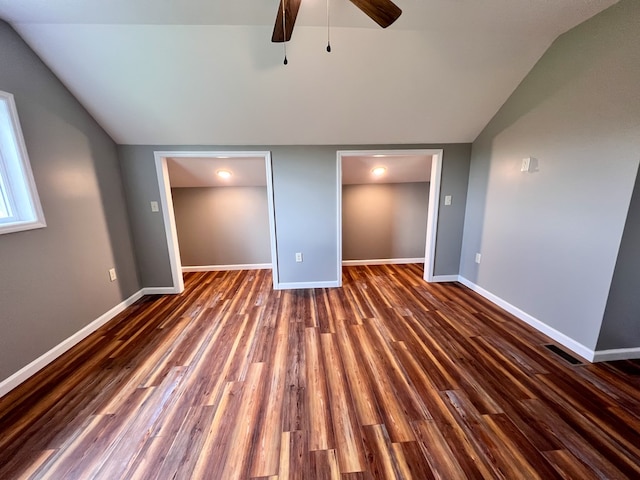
(147, 227)
(549, 239)
(222, 225)
(54, 281)
(305, 198)
(621, 324)
(384, 220)
(455, 178)
(305, 193)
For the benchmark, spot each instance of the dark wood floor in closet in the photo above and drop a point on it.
(388, 377)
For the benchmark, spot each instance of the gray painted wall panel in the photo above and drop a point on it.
(549, 239)
(222, 225)
(54, 281)
(305, 197)
(384, 221)
(148, 230)
(621, 323)
(305, 187)
(455, 178)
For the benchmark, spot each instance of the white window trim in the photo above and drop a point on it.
(19, 187)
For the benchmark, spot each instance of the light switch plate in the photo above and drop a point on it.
(154, 207)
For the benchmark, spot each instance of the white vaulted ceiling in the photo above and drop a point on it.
(205, 71)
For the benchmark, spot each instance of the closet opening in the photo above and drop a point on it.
(388, 207)
(218, 211)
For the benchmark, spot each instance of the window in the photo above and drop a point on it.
(19, 203)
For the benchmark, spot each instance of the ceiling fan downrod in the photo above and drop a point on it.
(383, 12)
(328, 30)
(284, 29)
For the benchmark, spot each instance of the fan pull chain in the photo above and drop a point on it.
(284, 32)
(328, 30)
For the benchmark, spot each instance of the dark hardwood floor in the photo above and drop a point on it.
(388, 377)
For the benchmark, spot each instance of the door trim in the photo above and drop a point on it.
(168, 215)
(436, 155)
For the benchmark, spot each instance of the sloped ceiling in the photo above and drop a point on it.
(196, 72)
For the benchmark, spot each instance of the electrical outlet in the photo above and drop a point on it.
(447, 200)
(478, 257)
(112, 274)
(299, 257)
(154, 207)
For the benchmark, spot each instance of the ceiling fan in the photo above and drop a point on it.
(383, 12)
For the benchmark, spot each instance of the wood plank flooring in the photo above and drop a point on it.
(387, 377)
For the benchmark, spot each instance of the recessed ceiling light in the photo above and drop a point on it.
(377, 171)
(223, 174)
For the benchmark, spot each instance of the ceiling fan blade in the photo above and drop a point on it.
(383, 12)
(291, 8)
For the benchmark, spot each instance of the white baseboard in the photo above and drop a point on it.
(616, 354)
(39, 363)
(383, 261)
(218, 268)
(445, 278)
(559, 337)
(24, 373)
(298, 285)
(159, 291)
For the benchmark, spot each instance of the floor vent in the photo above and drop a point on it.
(561, 353)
